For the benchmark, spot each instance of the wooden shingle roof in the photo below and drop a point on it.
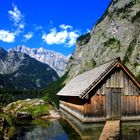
(83, 83)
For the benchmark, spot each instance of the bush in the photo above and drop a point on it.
(5, 98)
(83, 39)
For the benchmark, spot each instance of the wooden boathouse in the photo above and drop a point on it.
(109, 91)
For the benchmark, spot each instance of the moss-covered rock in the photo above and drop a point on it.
(29, 109)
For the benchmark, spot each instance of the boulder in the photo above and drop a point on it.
(54, 114)
(23, 116)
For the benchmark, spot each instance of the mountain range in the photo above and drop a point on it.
(54, 59)
(20, 71)
(116, 34)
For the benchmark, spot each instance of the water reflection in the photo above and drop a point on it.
(70, 129)
(86, 131)
(131, 131)
(54, 131)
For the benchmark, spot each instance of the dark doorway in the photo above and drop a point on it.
(113, 103)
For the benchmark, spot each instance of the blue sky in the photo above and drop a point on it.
(51, 24)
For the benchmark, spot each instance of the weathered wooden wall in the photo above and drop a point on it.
(118, 79)
(95, 105)
(130, 105)
(78, 108)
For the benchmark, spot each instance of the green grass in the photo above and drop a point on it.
(37, 111)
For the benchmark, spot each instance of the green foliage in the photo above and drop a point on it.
(88, 65)
(11, 132)
(8, 119)
(10, 95)
(137, 16)
(9, 124)
(124, 11)
(129, 51)
(84, 39)
(29, 75)
(1, 131)
(5, 98)
(138, 77)
(37, 111)
(53, 89)
(113, 44)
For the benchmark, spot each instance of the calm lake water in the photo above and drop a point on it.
(70, 130)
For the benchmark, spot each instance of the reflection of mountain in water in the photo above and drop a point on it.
(53, 132)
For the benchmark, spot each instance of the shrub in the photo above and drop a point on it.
(83, 39)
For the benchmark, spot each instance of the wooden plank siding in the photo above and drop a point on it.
(79, 108)
(118, 79)
(130, 105)
(95, 105)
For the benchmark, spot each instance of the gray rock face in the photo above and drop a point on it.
(116, 34)
(55, 60)
(20, 71)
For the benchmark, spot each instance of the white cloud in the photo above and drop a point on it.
(72, 38)
(88, 30)
(55, 37)
(64, 36)
(15, 15)
(17, 18)
(28, 36)
(6, 36)
(65, 27)
(37, 27)
(21, 25)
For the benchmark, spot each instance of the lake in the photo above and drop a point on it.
(55, 130)
(70, 130)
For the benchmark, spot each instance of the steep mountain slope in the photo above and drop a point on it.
(20, 71)
(116, 34)
(55, 60)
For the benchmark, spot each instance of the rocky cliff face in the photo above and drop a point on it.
(20, 71)
(55, 60)
(116, 34)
